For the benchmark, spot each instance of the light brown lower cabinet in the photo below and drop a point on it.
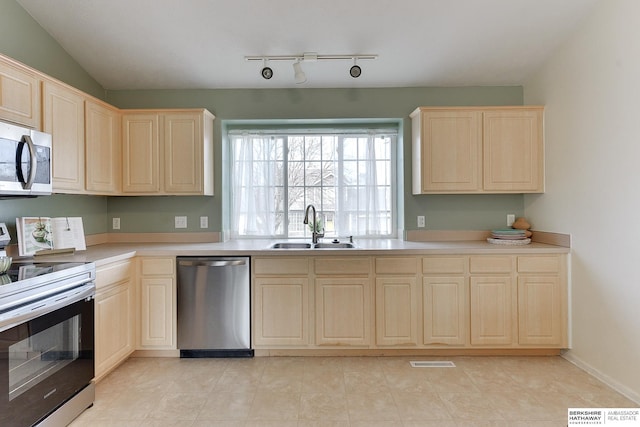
(542, 301)
(343, 307)
(114, 316)
(397, 301)
(445, 296)
(490, 310)
(157, 303)
(397, 311)
(410, 302)
(281, 311)
(445, 310)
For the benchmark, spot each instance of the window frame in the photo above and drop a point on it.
(393, 131)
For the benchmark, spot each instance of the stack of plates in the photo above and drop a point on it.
(509, 236)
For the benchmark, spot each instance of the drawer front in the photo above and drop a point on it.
(443, 265)
(490, 264)
(538, 264)
(396, 265)
(281, 266)
(342, 265)
(157, 266)
(113, 273)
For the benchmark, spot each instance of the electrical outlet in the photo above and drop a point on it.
(421, 221)
(511, 218)
(115, 223)
(204, 222)
(181, 222)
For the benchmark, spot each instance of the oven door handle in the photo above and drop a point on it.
(39, 308)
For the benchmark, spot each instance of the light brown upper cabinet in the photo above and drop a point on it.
(103, 148)
(167, 152)
(63, 118)
(19, 94)
(478, 150)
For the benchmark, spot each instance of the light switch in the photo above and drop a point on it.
(115, 223)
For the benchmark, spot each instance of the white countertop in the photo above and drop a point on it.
(110, 252)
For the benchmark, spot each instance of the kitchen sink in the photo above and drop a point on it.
(301, 245)
(334, 246)
(290, 245)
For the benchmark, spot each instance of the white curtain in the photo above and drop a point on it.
(253, 180)
(372, 221)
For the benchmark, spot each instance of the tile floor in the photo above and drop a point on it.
(344, 392)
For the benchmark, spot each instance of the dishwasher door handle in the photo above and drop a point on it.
(221, 263)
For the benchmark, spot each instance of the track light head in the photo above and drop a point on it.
(299, 75)
(355, 71)
(267, 73)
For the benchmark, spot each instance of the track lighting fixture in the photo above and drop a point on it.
(355, 71)
(299, 76)
(266, 72)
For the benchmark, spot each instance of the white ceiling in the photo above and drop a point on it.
(198, 44)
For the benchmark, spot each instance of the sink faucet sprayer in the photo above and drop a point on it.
(314, 234)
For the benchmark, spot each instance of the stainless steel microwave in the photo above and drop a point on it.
(25, 161)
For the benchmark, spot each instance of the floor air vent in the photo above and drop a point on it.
(433, 364)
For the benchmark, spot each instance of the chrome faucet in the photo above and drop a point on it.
(314, 235)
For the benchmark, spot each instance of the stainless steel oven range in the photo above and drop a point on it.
(46, 343)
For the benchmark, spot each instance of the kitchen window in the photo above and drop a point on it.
(348, 176)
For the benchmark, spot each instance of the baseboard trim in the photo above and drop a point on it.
(620, 388)
(407, 352)
(156, 353)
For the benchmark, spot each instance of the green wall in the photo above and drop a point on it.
(466, 212)
(23, 39)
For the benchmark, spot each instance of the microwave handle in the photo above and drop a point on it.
(26, 184)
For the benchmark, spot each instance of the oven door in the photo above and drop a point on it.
(44, 362)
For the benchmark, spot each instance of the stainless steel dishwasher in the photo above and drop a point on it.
(214, 315)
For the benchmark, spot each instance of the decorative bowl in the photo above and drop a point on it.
(5, 263)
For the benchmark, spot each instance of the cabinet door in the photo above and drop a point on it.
(183, 153)
(113, 325)
(540, 320)
(397, 311)
(141, 153)
(157, 313)
(19, 95)
(451, 151)
(513, 151)
(445, 310)
(103, 148)
(491, 310)
(342, 311)
(63, 111)
(281, 311)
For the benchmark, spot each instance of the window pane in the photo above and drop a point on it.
(347, 178)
